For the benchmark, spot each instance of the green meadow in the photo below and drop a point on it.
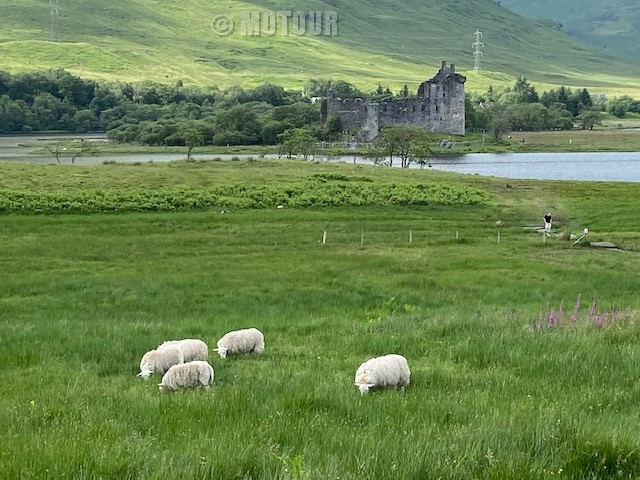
(375, 42)
(523, 349)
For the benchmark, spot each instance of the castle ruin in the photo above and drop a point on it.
(438, 107)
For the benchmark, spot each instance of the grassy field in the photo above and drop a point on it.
(509, 379)
(614, 140)
(602, 139)
(379, 42)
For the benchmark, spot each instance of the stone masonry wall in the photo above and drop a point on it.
(439, 107)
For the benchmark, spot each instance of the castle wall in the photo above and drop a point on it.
(439, 107)
(350, 111)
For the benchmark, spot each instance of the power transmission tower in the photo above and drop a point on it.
(477, 53)
(55, 33)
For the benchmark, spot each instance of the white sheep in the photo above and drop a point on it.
(241, 341)
(386, 371)
(192, 349)
(160, 360)
(187, 375)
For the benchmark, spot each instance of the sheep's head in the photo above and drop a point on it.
(364, 387)
(147, 364)
(222, 351)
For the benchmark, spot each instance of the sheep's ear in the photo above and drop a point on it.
(216, 349)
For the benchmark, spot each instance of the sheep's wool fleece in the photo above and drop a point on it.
(187, 375)
(160, 360)
(192, 348)
(243, 341)
(386, 371)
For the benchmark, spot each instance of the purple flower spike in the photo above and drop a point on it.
(594, 307)
(576, 309)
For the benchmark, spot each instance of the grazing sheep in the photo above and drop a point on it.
(192, 349)
(241, 341)
(386, 371)
(160, 360)
(187, 375)
(157, 361)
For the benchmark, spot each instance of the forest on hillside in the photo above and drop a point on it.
(160, 114)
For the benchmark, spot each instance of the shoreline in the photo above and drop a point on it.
(564, 141)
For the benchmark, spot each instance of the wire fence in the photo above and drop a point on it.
(354, 236)
(364, 237)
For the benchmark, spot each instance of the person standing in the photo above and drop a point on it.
(547, 223)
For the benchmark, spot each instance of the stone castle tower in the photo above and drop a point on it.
(438, 107)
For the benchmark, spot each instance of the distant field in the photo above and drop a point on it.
(511, 378)
(386, 43)
(623, 140)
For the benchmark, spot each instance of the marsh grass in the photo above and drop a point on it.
(84, 296)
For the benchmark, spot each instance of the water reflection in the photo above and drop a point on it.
(597, 166)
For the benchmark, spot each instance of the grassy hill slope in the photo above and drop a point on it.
(378, 41)
(612, 26)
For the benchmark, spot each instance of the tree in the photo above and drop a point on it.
(56, 150)
(342, 89)
(589, 118)
(474, 117)
(499, 126)
(192, 138)
(559, 117)
(405, 142)
(271, 131)
(422, 152)
(583, 99)
(333, 127)
(377, 153)
(525, 92)
(83, 121)
(528, 116)
(82, 149)
(297, 141)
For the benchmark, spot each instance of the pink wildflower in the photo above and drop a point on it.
(599, 319)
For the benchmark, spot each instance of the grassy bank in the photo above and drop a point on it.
(506, 381)
(605, 139)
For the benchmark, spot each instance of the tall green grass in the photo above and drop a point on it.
(491, 395)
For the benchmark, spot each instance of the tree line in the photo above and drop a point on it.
(521, 108)
(158, 114)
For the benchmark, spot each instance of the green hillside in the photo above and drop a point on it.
(612, 26)
(378, 41)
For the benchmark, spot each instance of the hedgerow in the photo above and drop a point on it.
(308, 194)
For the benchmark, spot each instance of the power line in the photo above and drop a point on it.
(55, 33)
(477, 53)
